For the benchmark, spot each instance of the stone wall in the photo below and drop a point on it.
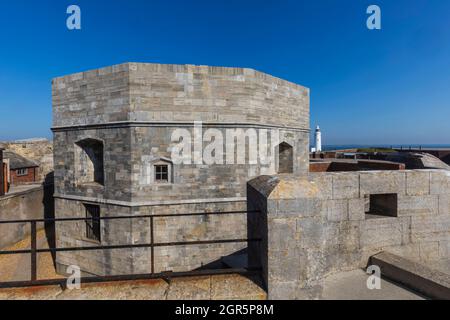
(133, 110)
(129, 154)
(315, 225)
(178, 93)
(35, 203)
(137, 231)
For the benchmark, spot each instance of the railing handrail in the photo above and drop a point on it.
(34, 250)
(146, 216)
(129, 246)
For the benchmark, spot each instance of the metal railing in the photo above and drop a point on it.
(34, 250)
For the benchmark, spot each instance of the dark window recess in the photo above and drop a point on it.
(285, 158)
(381, 205)
(93, 222)
(162, 173)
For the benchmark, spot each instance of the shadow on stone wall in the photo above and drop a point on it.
(49, 211)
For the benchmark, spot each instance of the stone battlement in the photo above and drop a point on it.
(318, 224)
(143, 92)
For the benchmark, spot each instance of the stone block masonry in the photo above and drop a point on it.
(317, 224)
(112, 132)
(33, 202)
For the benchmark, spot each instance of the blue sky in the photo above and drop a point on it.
(389, 86)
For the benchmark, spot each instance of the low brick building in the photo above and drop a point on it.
(20, 170)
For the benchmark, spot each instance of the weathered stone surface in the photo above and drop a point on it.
(356, 209)
(311, 232)
(314, 186)
(439, 182)
(382, 232)
(430, 228)
(337, 210)
(418, 205)
(444, 204)
(337, 235)
(31, 203)
(428, 251)
(417, 183)
(283, 233)
(345, 185)
(300, 207)
(444, 249)
(380, 182)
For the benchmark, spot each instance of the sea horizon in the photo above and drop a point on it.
(394, 146)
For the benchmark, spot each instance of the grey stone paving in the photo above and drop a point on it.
(352, 286)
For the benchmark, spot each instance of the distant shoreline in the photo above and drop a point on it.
(394, 146)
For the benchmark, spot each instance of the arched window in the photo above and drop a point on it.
(285, 158)
(89, 161)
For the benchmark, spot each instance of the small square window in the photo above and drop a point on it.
(22, 172)
(381, 205)
(162, 173)
(93, 222)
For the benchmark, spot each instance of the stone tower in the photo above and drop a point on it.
(113, 146)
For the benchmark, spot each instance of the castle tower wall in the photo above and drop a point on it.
(121, 119)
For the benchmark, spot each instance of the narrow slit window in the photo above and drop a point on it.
(93, 222)
(162, 173)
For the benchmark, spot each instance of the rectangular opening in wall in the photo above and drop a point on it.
(93, 222)
(381, 205)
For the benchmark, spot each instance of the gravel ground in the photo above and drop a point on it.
(17, 267)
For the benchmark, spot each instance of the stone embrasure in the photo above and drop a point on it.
(317, 224)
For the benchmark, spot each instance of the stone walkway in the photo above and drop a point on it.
(352, 285)
(223, 287)
(17, 268)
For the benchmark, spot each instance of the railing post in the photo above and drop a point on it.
(152, 242)
(33, 251)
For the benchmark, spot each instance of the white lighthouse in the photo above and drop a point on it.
(318, 140)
